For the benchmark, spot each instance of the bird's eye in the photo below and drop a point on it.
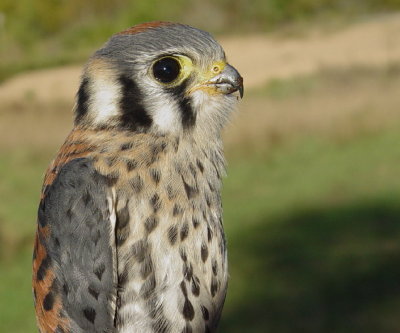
(167, 69)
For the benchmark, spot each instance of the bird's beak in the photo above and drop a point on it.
(227, 81)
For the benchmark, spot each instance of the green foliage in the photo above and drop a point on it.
(16, 299)
(271, 14)
(314, 237)
(35, 34)
(326, 269)
(20, 189)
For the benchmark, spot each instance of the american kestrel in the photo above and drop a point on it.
(130, 235)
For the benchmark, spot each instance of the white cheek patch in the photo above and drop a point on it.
(105, 95)
(165, 113)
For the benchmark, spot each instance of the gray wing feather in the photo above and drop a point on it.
(80, 246)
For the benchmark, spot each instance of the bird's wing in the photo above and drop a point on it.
(74, 278)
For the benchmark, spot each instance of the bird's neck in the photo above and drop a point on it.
(143, 149)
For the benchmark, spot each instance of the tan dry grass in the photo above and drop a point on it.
(339, 109)
(35, 109)
(34, 125)
(261, 58)
(258, 57)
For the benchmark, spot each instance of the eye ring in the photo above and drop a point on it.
(167, 69)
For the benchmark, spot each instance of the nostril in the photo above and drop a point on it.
(216, 69)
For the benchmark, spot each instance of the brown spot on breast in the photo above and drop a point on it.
(188, 271)
(155, 175)
(195, 222)
(140, 250)
(195, 286)
(188, 310)
(204, 252)
(151, 223)
(131, 165)
(172, 234)
(177, 210)
(143, 27)
(204, 311)
(112, 178)
(136, 183)
(155, 202)
(184, 231)
(214, 286)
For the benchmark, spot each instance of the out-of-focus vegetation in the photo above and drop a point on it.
(315, 247)
(36, 34)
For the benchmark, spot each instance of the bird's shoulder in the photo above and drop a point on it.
(114, 154)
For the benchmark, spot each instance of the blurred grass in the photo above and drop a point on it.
(16, 305)
(314, 237)
(22, 172)
(36, 34)
(328, 269)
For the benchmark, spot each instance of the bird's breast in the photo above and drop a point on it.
(170, 244)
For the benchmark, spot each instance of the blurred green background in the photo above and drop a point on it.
(312, 197)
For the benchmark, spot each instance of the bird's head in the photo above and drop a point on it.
(161, 77)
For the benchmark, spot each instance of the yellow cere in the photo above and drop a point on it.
(204, 77)
(187, 68)
(216, 68)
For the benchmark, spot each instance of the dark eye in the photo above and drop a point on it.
(166, 69)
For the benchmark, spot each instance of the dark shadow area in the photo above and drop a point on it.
(324, 270)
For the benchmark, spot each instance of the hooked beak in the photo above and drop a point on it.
(228, 81)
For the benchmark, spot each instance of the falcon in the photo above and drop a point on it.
(129, 235)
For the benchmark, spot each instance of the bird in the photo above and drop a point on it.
(129, 232)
